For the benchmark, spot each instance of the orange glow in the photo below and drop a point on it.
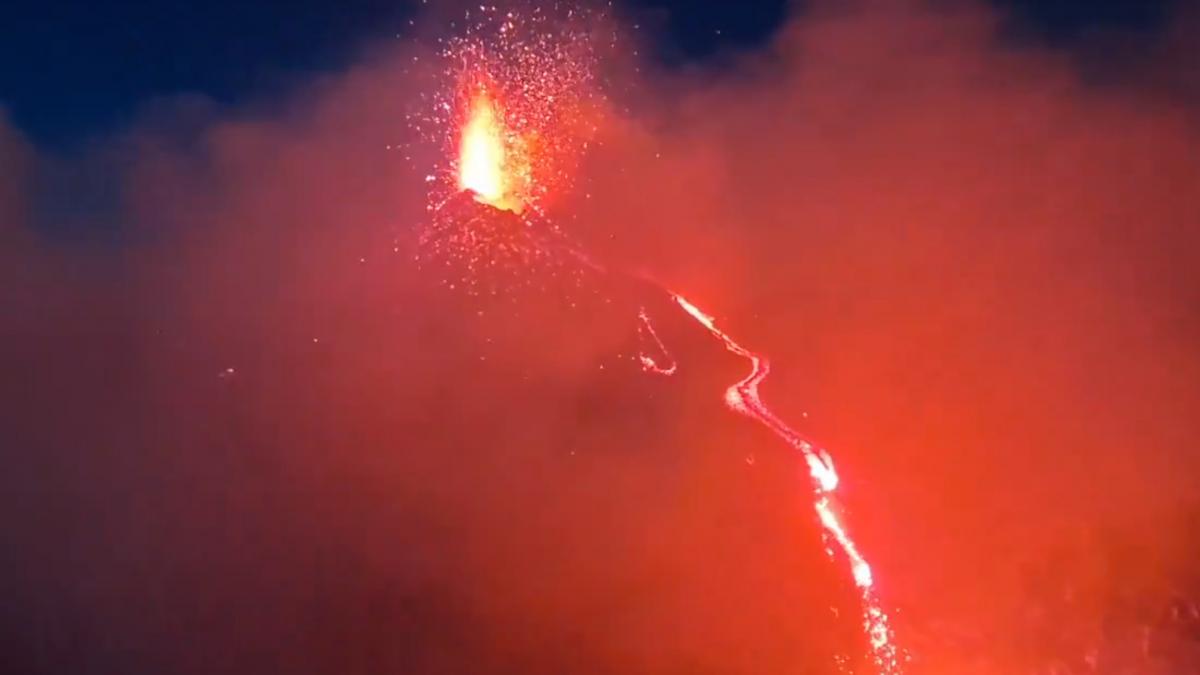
(483, 164)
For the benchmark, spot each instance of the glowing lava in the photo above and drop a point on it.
(743, 397)
(481, 154)
(484, 166)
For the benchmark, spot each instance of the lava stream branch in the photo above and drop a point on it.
(743, 397)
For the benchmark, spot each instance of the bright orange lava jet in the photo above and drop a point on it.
(483, 161)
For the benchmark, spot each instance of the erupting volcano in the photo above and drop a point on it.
(513, 131)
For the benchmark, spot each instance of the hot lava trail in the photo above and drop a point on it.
(743, 397)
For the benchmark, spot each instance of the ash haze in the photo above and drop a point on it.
(244, 433)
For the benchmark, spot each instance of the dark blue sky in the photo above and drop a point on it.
(73, 69)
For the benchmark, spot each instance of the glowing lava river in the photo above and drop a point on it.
(743, 397)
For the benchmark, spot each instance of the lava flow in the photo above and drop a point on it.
(743, 397)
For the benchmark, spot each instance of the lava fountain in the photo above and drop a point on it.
(483, 157)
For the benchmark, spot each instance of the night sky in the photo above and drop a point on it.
(251, 424)
(73, 70)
